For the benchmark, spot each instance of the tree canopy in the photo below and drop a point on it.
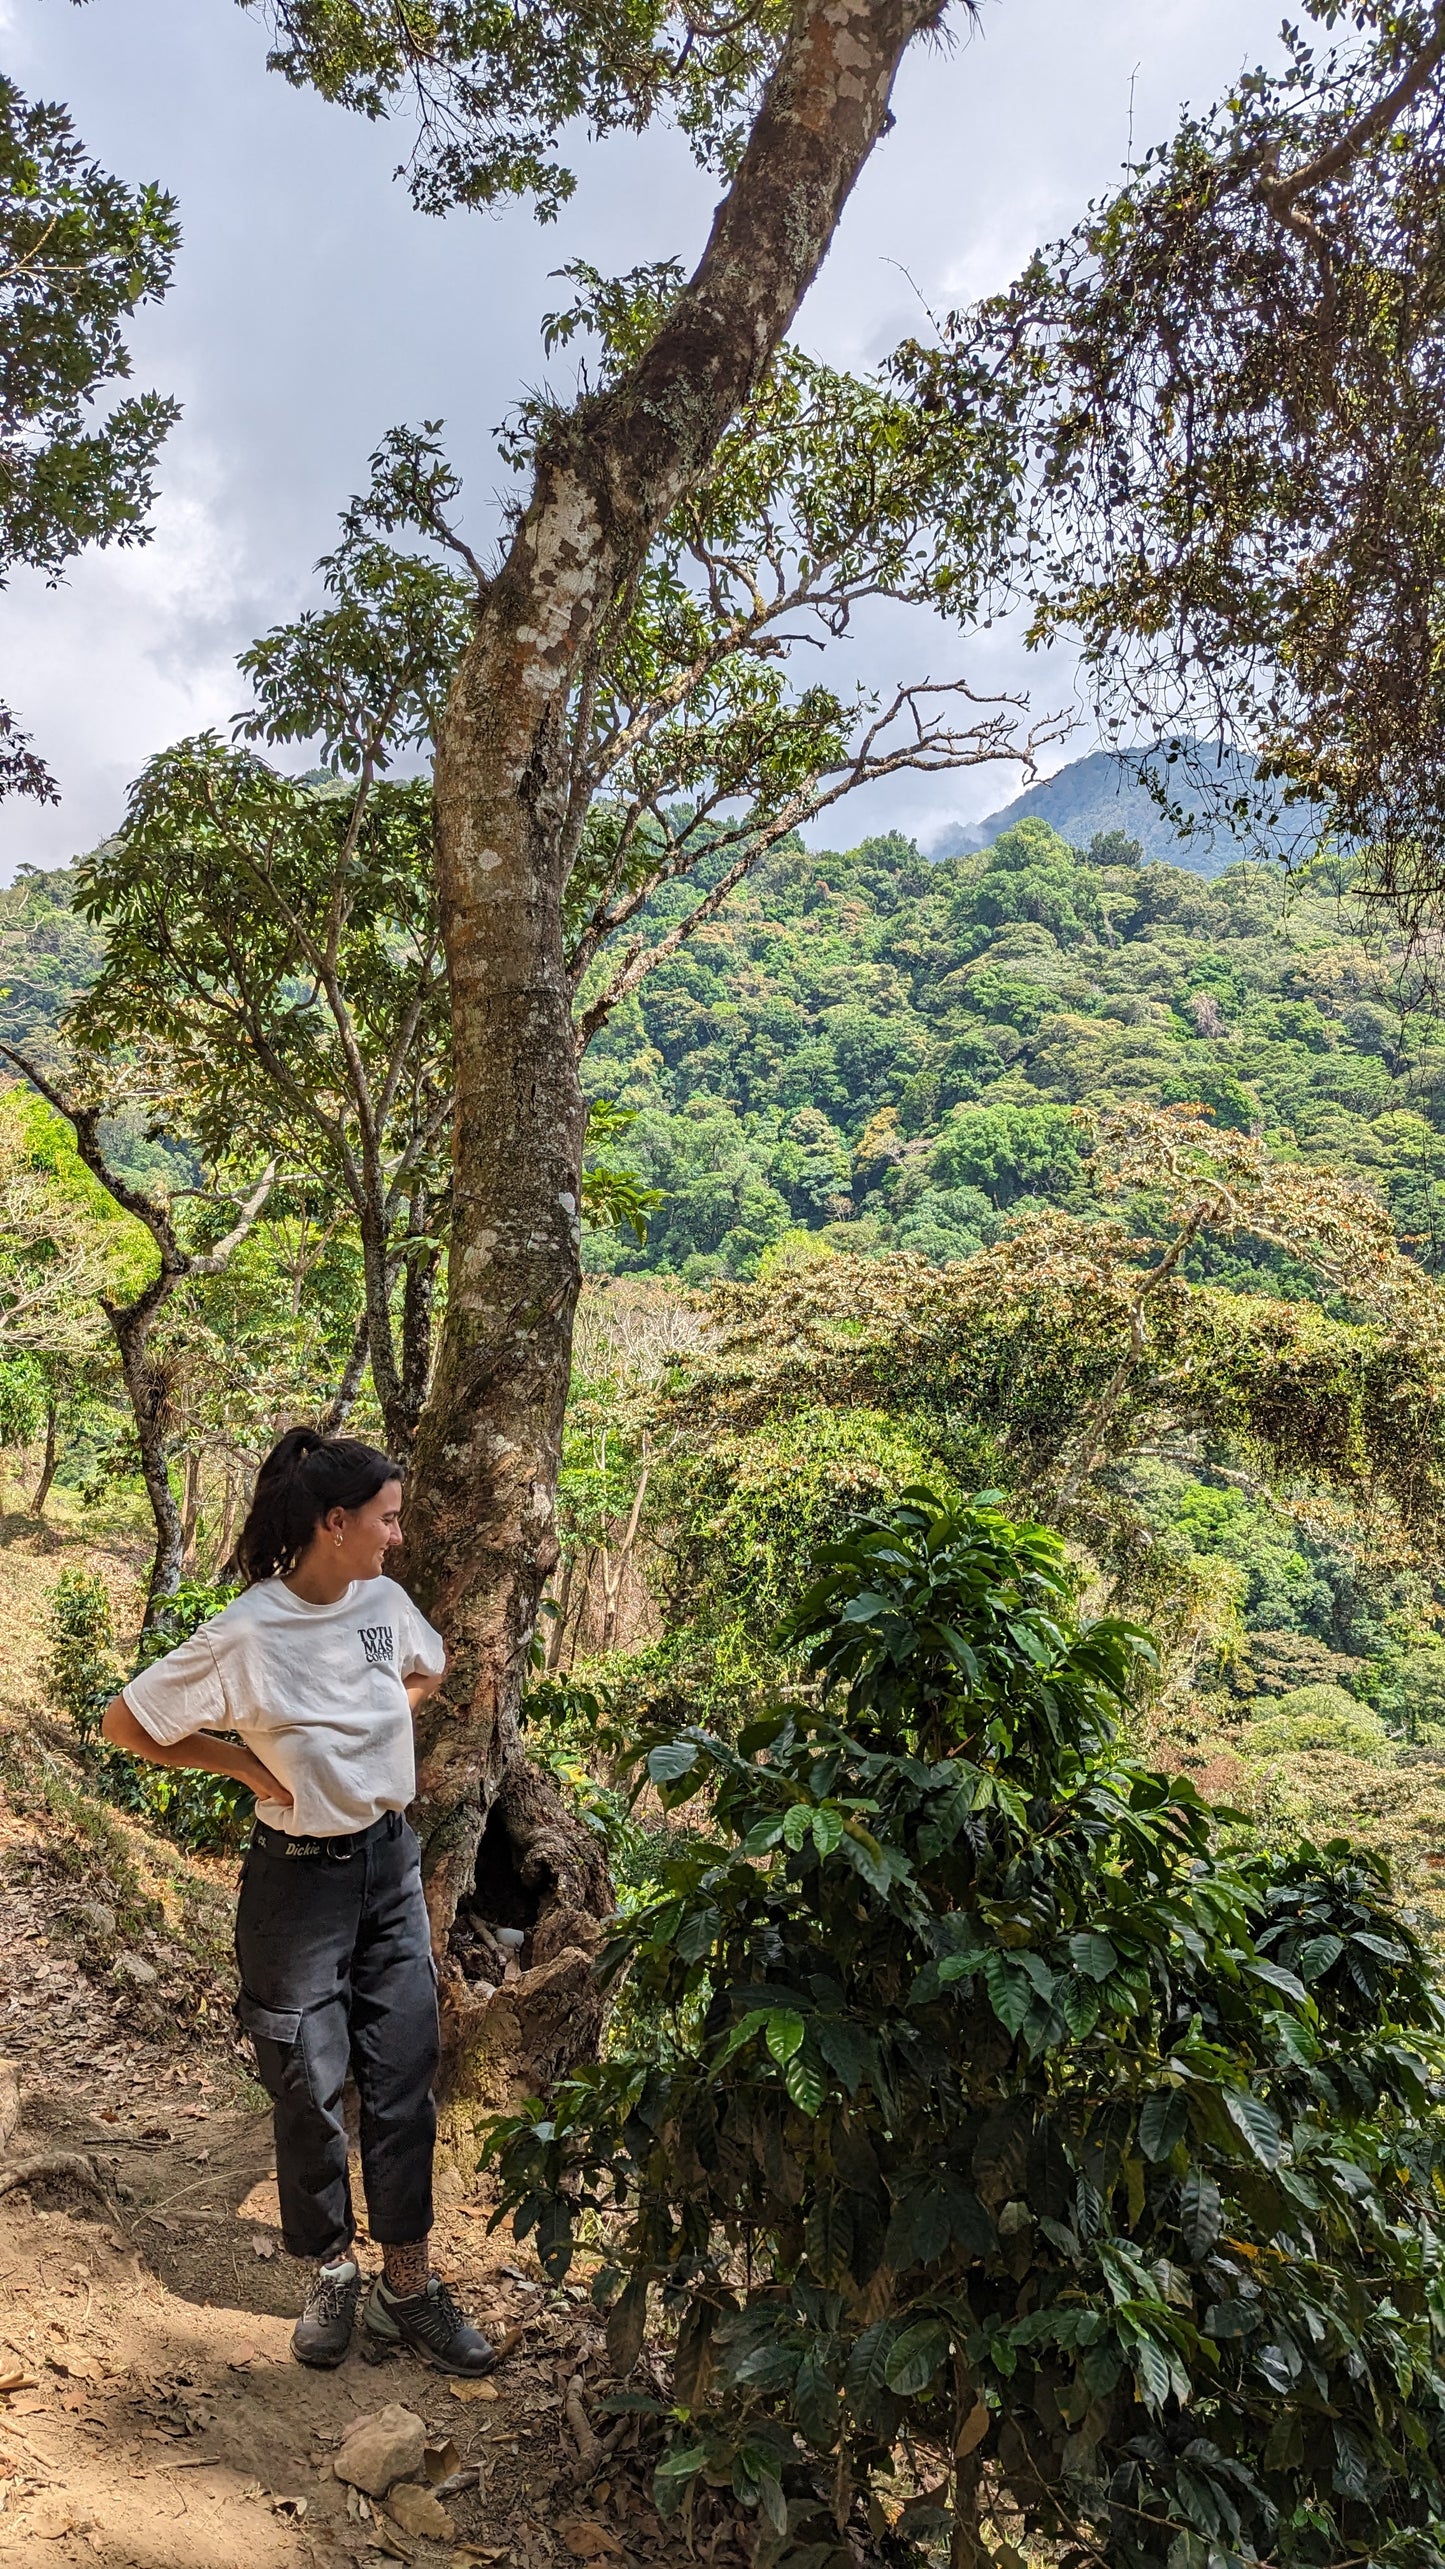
(79, 250)
(1228, 385)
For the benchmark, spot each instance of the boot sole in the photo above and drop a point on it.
(321, 2363)
(393, 2337)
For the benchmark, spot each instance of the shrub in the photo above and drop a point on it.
(85, 1671)
(1312, 1717)
(1016, 2153)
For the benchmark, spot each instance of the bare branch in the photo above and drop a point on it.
(934, 747)
(210, 1262)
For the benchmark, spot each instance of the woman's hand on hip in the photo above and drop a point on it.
(258, 1779)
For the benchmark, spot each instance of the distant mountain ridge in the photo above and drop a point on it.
(1105, 792)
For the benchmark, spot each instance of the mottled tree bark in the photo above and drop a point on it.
(51, 1458)
(481, 1536)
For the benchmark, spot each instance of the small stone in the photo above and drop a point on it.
(51, 2519)
(134, 1971)
(96, 1918)
(418, 2512)
(388, 2445)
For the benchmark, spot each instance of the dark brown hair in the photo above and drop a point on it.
(302, 1479)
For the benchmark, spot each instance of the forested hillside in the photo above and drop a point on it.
(881, 1053)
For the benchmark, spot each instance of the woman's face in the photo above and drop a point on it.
(357, 1540)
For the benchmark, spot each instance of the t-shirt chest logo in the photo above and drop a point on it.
(379, 1645)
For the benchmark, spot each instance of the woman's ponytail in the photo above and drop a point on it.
(304, 1476)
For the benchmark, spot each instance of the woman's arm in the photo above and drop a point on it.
(419, 1686)
(201, 1750)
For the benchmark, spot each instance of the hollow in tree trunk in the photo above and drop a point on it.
(481, 1534)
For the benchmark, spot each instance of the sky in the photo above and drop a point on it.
(313, 308)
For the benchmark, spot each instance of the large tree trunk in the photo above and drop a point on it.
(481, 1533)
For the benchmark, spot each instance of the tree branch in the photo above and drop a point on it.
(933, 749)
(1282, 193)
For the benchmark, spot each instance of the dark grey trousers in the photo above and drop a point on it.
(336, 1974)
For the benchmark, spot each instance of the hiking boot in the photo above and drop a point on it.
(431, 2325)
(323, 2331)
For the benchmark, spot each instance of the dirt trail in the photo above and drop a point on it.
(161, 2423)
(155, 2418)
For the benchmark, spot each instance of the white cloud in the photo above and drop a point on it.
(312, 308)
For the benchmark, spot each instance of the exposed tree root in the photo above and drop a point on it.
(67, 2164)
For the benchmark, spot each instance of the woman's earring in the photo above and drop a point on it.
(340, 1540)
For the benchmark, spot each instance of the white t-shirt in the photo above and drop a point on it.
(315, 1691)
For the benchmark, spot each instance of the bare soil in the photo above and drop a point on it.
(156, 2419)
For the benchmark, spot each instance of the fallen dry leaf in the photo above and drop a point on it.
(418, 2512)
(586, 2540)
(385, 2538)
(261, 2246)
(440, 2460)
(74, 2361)
(513, 2337)
(474, 2391)
(14, 2377)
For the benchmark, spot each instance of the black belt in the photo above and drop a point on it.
(339, 1850)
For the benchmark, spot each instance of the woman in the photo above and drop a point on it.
(319, 1667)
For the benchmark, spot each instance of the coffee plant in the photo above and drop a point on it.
(1026, 2174)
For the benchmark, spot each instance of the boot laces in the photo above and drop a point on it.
(438, 2316)
(331, 2296)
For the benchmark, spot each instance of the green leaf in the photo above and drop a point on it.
(1232, 2318)
(815, 2401)
(827, 1831)
(828, 2237)
(1201, 2215)
(785, 2034)
(675, 2475)
(1151, 2372)
(674, 1759)
(868, 2366)
(847, 2049)
(1318, 1955)
(914, 2358)
(804, 2080)
(1078, 2003)
(1163, 2122)
(698, 1934)
(1010, 1990)
(1252, 2118)
(772, 2501)
(1093, 1955)
(935, 2209)
(797, 1825)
